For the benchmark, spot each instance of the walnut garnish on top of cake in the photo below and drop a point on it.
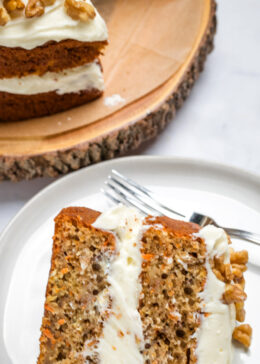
(77, 9)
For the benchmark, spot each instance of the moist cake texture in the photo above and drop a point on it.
(127, 289)
(49, 49)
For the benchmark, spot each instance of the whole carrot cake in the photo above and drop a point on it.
(127, 289)
(49, 56)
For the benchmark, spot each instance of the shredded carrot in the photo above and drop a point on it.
(172, 317)
(64, 270)
(61, 322)
(49, 308)
(49, 335)
(56, 249)
(92, 343)
(147, 257)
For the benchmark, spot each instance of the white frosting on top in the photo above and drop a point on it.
(71, 80)
(215, 334)
(54, 25)
(122, 337)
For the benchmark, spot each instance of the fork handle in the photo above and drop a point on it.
(244, 235)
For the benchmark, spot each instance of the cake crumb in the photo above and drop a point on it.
(114, 100)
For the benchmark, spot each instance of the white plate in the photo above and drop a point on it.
(229, 195)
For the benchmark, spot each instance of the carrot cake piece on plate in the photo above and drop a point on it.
(127, 289)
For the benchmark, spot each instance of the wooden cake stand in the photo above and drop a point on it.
(169, 43)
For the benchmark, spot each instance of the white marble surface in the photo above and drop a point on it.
(221, 119)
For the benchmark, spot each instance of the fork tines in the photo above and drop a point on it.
(122, 189)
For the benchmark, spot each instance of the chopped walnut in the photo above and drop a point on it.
(233, 293)
(238, 270)
(241, 267)
(243, 334)
(240, 257)
(79, 10)
(218, 275)
(240, 282)
(240, 311)
(228, 272)
(222, 271)
(4, 17)
(13, 5)
(34, 8)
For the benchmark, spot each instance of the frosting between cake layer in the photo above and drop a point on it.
(122, 338)
(72, 80)
(54, 25)
(215, 334)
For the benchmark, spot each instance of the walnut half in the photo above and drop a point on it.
(233, 294)
(34, 8)
(243, 334)
(79, 10)
(4, 17)
(13, 5)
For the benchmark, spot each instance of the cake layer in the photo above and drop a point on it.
(35, 96)
(55, 24)
(165, 295)
(172, 277)
(76, 303)
(50, 57)
(20, 107)
(73, 80)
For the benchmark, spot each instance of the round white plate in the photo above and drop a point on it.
(229, 195)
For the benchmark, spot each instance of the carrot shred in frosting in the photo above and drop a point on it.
(93, 342)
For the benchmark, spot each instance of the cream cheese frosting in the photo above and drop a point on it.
(72, 80)
(215, 333)
(55, 24)
(122, 338)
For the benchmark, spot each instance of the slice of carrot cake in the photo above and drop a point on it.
(49, 56)
(127, 289)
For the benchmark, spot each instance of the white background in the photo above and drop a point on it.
(221, 119)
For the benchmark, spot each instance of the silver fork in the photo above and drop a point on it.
(121, 189)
